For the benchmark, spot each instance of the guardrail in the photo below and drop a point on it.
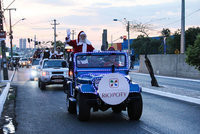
(4, 93)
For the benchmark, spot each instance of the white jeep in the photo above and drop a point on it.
(52, 71)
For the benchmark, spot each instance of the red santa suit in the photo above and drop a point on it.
(80, 45)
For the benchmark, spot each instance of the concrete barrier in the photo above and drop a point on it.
(4, 94)
(170, 65)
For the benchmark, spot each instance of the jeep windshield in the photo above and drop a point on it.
(55, 64)
(99, 61)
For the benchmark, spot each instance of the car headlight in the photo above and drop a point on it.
(34, 73)
(45, 73)
(33, 67)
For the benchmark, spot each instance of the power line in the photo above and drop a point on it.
(10, 4)
(185, 17)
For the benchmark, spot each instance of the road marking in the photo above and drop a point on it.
(148, 129)
(125, 116)
(171, 95)
(175, 78)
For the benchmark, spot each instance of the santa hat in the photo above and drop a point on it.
(78, 39)
(80, 33)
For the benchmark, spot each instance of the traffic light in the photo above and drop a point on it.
(29, 40)
(36, 43)
(124, 37)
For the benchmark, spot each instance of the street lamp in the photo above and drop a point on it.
(11, 32)
(127, 23)
(11, 36)
(18, 21)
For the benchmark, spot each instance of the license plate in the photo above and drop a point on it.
(57, 80)
(57, 76)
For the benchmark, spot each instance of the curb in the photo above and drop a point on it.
(171, 95)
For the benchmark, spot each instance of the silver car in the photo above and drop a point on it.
(52, 71)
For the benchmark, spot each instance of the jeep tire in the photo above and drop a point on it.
(135, 107)
(83, 109)
(71, 106)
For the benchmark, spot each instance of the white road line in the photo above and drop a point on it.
(171, 95)
(175, 78)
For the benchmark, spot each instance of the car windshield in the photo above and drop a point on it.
(54, 64)
(36, 62)
(101, 61)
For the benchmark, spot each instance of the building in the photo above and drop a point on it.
(22, 43)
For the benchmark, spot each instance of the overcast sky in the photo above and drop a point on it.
(92, 16)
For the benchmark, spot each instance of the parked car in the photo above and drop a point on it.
(52, 71)
(100, 81)
(34, 69)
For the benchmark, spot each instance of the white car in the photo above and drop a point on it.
(23, 62)
(34, 69)
(52, 71)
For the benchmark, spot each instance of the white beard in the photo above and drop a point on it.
(84, 43)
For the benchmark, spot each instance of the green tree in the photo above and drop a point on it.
(191, 35)
(146, 45)
(166, 32)
(59, 44)
(193, 54)
(173, 43)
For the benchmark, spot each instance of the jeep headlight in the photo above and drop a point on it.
(96, 82)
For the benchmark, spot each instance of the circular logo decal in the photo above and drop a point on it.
(113, 88)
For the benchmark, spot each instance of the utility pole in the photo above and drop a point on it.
(73, 33)
(11, 36)
(183, 27)
(55, 33)
(34, 42)
(128, 30)
(3, 45)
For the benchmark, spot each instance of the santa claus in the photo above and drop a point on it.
(82, 44)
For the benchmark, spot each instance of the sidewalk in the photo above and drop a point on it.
(173, 91)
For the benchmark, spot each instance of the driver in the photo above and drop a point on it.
(111, 60)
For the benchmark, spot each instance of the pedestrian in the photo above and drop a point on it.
(82, 44)
(132, 61)
(46, 54)
(52, 54)
(59, 54)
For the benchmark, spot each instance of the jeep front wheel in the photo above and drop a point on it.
(71, 105)
(83, 109)
(135, 107)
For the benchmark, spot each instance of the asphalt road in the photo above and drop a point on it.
(44, 112)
